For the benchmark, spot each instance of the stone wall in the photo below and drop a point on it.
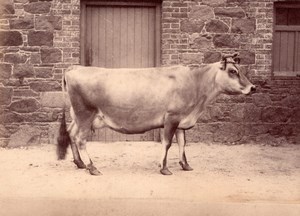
(199, 32)
(40, 38)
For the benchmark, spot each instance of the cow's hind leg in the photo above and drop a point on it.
(180, 136)
(81, 141)
(168, 133)
(82, 125)
(73, 130)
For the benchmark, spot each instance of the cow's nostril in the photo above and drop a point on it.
(253, 88)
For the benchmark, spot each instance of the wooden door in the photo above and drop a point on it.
(120, 35)
(286, 40)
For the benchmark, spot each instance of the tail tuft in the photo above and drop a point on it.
(63, 139)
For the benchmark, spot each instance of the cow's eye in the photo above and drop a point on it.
(233, 72)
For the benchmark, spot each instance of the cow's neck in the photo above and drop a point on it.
(208, 89)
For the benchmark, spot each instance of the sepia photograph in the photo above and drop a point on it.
(150, 107)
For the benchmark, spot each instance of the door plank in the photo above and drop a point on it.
(102, 36)
(88, 36)
(116, 37)
(283, 51)
(151, 37)
(124, 39)
(130, 38)
(94, 35)
(137, 37)
(145, 37)
(276, 49)
(290, 51)
(109, 37)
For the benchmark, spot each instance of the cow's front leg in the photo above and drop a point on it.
(180, 136)
(168, 133)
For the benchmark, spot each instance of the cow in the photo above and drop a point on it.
(140, 99)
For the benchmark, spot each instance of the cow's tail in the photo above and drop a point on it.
(63, 139)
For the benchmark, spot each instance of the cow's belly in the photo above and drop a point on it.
(128, 124)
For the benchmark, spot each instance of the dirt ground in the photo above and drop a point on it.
(227, 180)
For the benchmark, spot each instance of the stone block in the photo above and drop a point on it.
(247, 57)
(44, 72)
(281, 130)
(6, 7)
(49, 23)
(243, 26)
(217, 113)
(4, 142)
(236, 12)
(35, 58)
(40, 38)
(202, 132)
(39, 117)
(214, 2)
(191, 26)
(211, 57)
(252, 113)
(4, 133)
(216, 26)
(25, 105)
(202, 42)
(15, 58)
(5, 95)
(201, 12)
(291, 101)
(54, 99)
(44, 86)
(6, 70)
(226, 41)
(21, 1)
(25, 136)
(11, 117)
(268, 139)
(38, 7)
(223, 98)
(276, 114)
(191, 58)
(21, 23)
(10, 38)
(296, 115)
(25, 93)
(23, 70)
(254, 129)
(51, 55)
(229, 133)
(237, 112)
(261, 100)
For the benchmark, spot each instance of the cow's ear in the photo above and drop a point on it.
(237, 60)
(234, 55)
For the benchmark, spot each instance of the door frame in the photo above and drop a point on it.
(84, 53)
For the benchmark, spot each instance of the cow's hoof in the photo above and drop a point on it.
(93, 170)
(185, 166)
(165, 171)
(80, 164)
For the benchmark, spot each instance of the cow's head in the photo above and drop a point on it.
(231, 78)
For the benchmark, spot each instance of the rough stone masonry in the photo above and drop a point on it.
(40, 38)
